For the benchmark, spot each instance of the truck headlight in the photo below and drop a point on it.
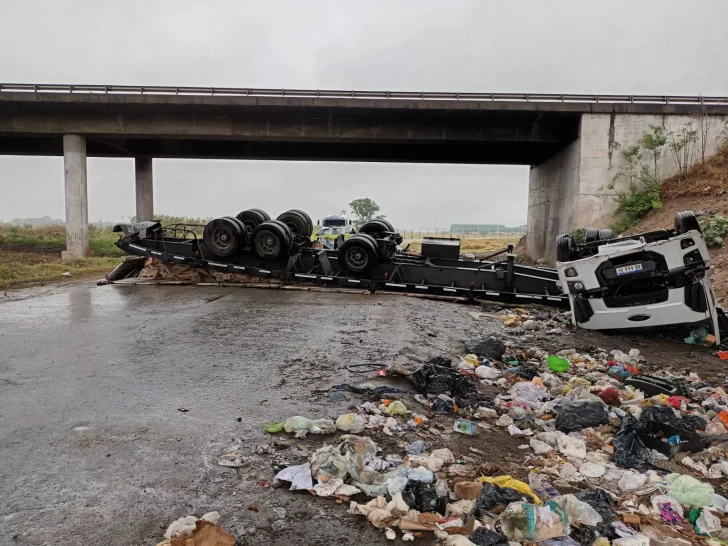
(579, 285)
(571, 272)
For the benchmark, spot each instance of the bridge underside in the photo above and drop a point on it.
(192, 148)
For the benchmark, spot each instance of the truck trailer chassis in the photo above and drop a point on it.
(426, 273)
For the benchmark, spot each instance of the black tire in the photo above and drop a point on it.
(262, 212)
(298, 222)
(606, 235)
(376, 227)
(358, 254)
(224, 237)
(243, 231)
(305, 215)
(271, 240)
(591, 235)
(252, 218)
(686, 221)
(565, 249)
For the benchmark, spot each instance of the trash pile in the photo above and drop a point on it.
(615, 451)
(191, 531)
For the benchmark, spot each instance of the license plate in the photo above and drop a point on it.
(627, 269)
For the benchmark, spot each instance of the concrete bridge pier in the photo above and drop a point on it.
(74, 166)
(144, 189)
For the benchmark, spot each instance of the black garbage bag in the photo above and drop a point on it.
(443, 407)
(656, 418)
(602, 503)
(587, 534)
(483, 536)
(440, 360)
(432, 379)
(493, 495)
(581, 414)
(423, 497)
(486, 347)
(629, 449)
(526, 372)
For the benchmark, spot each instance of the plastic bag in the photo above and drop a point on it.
(571, 446)
(510, 482)
(523, 522)
(486, 372)
(486, 347)
(654, 418)
(421, 474)
(351, 422)
(314, 426)
(432, 379)
(581, 414)
(272, 427)
(493, 495)
(688, 491)
(629, 449)
(528, 394)
(416, 447)
(483, 536)
(578, 511)
(299, 476)
(602, 503)
(541, 486)
(395, 408)
(707, 523)
(423, 497)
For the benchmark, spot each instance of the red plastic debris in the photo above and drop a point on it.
(610, 397)
(675, 401)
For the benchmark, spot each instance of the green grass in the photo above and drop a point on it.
(15, 272)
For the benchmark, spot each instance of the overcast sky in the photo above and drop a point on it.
(562, 46)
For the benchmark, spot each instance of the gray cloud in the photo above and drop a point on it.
(661, 46)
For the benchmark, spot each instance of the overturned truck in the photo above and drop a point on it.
(251, 243)
(609, 283)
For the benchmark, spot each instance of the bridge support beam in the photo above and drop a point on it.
(74, 166)
(576, 188)
(144, 189)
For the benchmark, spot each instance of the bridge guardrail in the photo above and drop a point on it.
(386, 95)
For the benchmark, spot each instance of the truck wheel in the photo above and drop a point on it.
(306, 216)
(252, 218)
(261, 211)
(271, 240)
(358, 254)
(298, 222)
(223, 237)
(591, 235)
(686, 221)
(565, 248)
(606, 235)
(376, 227)
(243, 231)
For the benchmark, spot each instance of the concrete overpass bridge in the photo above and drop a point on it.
(568, 140)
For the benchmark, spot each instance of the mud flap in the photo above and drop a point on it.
(582, 310)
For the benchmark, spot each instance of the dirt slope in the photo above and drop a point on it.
(704, 190)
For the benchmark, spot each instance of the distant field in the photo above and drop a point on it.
(33, 254)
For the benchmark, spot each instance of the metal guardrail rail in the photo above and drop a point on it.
(391, 95)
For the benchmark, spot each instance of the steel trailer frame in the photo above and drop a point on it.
(503, 280)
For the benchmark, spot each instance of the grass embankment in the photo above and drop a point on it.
(32, 254)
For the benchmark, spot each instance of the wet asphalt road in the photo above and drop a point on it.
(94, 449)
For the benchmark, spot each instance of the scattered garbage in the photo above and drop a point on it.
(190, 531)
(616, 450)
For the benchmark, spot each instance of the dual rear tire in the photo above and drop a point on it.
(359, 254)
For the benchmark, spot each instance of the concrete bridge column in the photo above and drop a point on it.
(74, 165)
(144, 189)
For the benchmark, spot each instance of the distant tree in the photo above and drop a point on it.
(364, 209)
